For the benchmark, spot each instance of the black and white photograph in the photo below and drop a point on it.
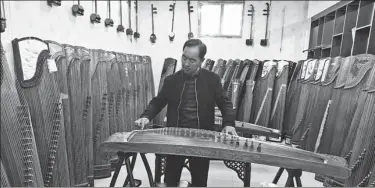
(187, 93)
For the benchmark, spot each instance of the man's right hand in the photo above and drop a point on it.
(142, 122)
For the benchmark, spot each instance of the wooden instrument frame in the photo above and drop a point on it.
(329, 165)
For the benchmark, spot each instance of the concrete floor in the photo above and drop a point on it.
(219, 175)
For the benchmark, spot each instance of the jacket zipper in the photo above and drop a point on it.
(196, 99)
(178, 108)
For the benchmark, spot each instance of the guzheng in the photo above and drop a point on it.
(220, 146)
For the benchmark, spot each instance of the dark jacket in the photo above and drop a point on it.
(209, 92)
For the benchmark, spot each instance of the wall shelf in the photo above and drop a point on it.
(344, 29)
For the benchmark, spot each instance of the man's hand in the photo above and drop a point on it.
(142, 122)
(230, 130)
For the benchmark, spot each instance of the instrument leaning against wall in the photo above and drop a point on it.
(215, 145)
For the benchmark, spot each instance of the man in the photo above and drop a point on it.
(191, 95)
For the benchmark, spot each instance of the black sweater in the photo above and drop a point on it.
(209, 91)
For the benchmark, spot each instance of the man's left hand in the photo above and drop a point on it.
(230, 130)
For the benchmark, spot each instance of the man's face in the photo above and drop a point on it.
(190, 60)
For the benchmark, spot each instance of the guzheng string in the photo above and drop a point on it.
(321, 105)
(298, 126)
(371, 180)
(47, 136)
(261, 110)
(133, 79)
(77, 105)
(237, 70)
(237, 85)
(113, 127)
(19, 152)
(85, 68)
(357, 77)
(279, 96)
(100, 115)
(244, 112)
(294, 92)
(62, 174)
(123, 77)
(327, 135)
(363, 152)
(4, 176)
(312, 85)
(221, 67)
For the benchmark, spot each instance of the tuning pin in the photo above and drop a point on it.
(347, 157)
(252, 145)
(29, 176)
(27, 140)
(246, 144)
(238, 142)
(358, 161)
(259, 147)
(54, 2)
(108, 22)
(28, 183)
(95, 18)
(29, 170)
(129, 31)
(372, 184)
(77, 10)
(232, 140)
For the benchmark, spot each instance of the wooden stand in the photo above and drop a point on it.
(129, 168)
(293, 174)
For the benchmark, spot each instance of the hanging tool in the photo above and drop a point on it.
(153, 11)
(266, 12)
(109, 22)
(77, 9)
(129, 30)
(249, 42)
(3, 19)
(282, 29)
(190, 10)
(55, 3)
(136, 33)
(120, 28)
(94, 17)
(172, 8)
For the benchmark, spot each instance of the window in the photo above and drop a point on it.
(221, 19)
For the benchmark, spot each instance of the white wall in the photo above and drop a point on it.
(36, 18)
(317, 6)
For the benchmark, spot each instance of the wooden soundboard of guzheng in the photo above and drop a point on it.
(216, 145)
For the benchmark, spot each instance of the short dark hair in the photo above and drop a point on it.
(196, 42)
